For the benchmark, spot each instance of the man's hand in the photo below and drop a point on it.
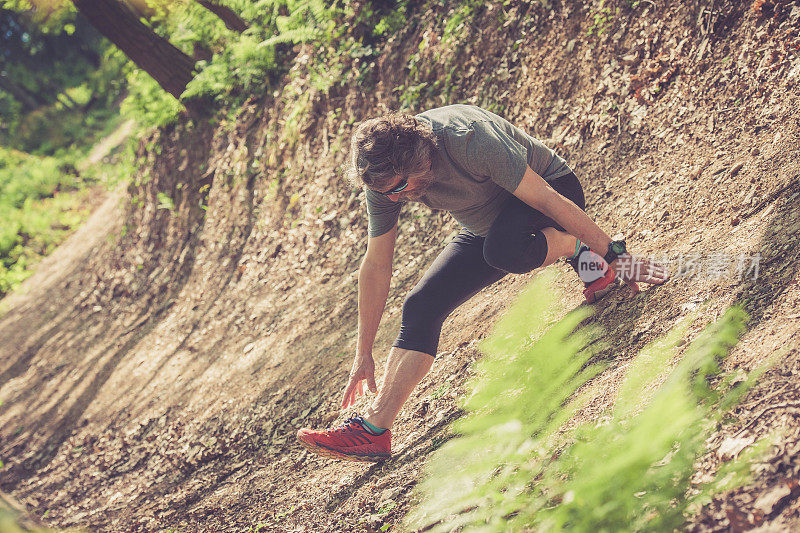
(631, 269)
(363, 369)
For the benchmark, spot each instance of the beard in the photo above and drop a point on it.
(421, 186)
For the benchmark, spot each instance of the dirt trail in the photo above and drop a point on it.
(156, 366)
(109, 143)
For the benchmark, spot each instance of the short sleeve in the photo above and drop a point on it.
(492, 152)
(382, 212)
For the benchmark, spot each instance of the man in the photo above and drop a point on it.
(520, 207)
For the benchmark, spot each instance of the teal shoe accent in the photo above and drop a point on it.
(375, 430)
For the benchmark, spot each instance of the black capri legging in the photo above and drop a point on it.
(469, 263)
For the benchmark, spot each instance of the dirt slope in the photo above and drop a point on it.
(155, 368)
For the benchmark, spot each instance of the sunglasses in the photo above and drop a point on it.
(397, 188)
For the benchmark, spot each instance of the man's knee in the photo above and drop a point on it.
(420, 306)
(421, 323)
(516, 257)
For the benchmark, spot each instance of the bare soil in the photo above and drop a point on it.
(155, 368)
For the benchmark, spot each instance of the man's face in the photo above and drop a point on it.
(418, 184)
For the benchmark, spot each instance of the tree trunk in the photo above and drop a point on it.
(201, 53)
(170, 67)
(232, 21)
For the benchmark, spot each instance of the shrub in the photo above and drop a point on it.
(38, 201)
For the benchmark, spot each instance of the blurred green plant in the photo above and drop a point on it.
(40, 199)
(58, 79)
(603, 15)
(165, 202)
(147, 103)
(461, 16)
(392, 21)
(516, 466)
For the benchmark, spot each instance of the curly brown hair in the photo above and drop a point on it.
(387, 146)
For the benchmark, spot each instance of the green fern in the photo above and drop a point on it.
(147, 103)
(514, 468)
(246, 63)
(294, 35)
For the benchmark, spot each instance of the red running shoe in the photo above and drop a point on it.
(351, 442)
(600, 287)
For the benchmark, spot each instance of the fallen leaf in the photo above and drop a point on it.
(732, 446)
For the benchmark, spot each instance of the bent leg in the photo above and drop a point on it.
(404, 370)
(559, 244)
(458, 273)
(522, 238)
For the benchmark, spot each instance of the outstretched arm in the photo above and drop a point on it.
(374, 278)
(536, 192)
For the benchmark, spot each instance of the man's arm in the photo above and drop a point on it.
(374, 278)
(536, 192)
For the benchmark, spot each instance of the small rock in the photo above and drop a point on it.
(736, 168)
(755, 151)
(719, 170)
(630, 59)
(731, 447)
(374, 520)
(389, 495)
(749, 197)
(775, 496)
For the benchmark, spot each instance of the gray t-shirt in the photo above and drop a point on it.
(479, 162)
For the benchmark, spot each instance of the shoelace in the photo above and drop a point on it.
(353, 420)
